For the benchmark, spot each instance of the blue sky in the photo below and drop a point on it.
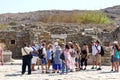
(15, 6)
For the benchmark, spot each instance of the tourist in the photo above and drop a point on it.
(26, 59)
(35, 56)
(1, 56)
(98, 55)
(73, 55)
(49, 55)
(84, 56)
(77, 57)
(67, 62)
(116, 56)
(44, 58)
(112, 55)
(57, 60)
(53, 55)
(94, 52)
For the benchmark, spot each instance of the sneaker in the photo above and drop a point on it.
(99, 69)
(84, 68)
(47, 72)
(92, 68)
(81, 68)
(71, 70)
(29, 73)
(95, 67)
(111, 70)
(61, 73)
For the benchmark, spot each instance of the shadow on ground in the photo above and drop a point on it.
(12, 75)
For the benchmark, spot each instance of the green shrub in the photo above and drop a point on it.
(83, 17)
(13, 23)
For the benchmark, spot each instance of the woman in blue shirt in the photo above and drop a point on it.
(49, 55)
(116, 57)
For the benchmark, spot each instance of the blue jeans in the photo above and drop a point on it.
(63, 67)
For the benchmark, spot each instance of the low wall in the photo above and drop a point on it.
(7, 55)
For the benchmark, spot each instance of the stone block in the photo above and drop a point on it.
(7, 56)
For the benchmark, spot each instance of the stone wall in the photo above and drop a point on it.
(14, 41)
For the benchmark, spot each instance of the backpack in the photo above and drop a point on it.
(102, 52)
(62, 56)
(40, 55)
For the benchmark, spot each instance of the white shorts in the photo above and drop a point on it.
(34, 59)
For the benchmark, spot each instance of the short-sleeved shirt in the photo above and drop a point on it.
(117, 54)
(49, 54)
(34, 49)
(57, 56)
(26, 50)
(44, 52)
(94, 50)
(98, 48)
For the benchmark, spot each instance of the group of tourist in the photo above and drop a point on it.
(65, 58)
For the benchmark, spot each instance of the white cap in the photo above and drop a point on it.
(115, 42)
(56, 43)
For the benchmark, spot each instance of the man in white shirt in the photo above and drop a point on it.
(26, 60)
(94, 52)
(98, 55)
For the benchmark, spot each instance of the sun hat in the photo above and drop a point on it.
(115, 42)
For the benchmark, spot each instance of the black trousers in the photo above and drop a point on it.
(26, 61)
(83, 61)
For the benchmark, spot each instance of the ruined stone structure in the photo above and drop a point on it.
(14, 40)
(14, 37)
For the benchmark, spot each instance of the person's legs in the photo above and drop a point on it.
(112, 64)
(99, 61)
(49, 62)
(63, 67)
(85, 64)
(29, 66)
(66, 69)
(82, 60)
(24, 65)
(59, 67)
(117, 66)
(34, 60)
(46, 63)
(93, 61)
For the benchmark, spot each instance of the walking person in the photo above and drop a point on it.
(26, 59)
(84, 56)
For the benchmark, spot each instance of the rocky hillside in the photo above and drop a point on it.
(113, 13)
(35, 18)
